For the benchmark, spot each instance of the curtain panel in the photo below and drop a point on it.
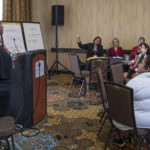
(17, 10)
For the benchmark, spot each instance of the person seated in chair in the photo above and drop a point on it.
(140, 85)
(116, 50)
(142, 53)
(136, 48)
(94, 49)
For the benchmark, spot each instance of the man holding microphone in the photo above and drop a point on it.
(6, 67)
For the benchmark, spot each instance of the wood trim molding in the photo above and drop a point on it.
(77, 50)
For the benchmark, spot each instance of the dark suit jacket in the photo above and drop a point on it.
(89, 47)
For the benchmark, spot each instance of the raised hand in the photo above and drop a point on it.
(78, 37)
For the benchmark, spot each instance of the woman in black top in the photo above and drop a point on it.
(93, 49)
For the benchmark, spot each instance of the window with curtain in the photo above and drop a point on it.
(17, 10)
(1, 9)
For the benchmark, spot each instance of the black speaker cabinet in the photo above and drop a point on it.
(58, 15)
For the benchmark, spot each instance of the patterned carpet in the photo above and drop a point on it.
(71, 123)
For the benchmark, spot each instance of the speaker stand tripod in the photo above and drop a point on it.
(54, 68)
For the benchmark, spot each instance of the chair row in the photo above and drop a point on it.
(90, 77)
(117, 101)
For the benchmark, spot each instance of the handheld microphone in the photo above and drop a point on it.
(15, 44)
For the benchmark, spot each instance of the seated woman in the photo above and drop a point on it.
(94, 49)
(142, 95)
(140, 55)
(115, 51)
(140, 85)
(136, 48)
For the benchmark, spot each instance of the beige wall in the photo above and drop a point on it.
(40, 13)
(125, 19)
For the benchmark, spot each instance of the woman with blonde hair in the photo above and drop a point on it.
(116, 50)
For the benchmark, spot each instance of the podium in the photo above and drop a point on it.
(28, 102)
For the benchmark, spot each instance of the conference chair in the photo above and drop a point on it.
(116, 70)
(77, 74)
(95, 64)
(6, 130)
(103, 112)
(121, 110)
(92, 78)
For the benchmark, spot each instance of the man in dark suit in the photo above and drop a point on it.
(6, 66)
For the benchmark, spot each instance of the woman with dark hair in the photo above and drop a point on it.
(94, 49)
(136, 48)
(140, 85)
(116, 50)
(144, 50)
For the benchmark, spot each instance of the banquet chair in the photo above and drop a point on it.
(103, 111)
(95, 64)
(77, 74)
(121, 111)
(116, 70)
(7, 130)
